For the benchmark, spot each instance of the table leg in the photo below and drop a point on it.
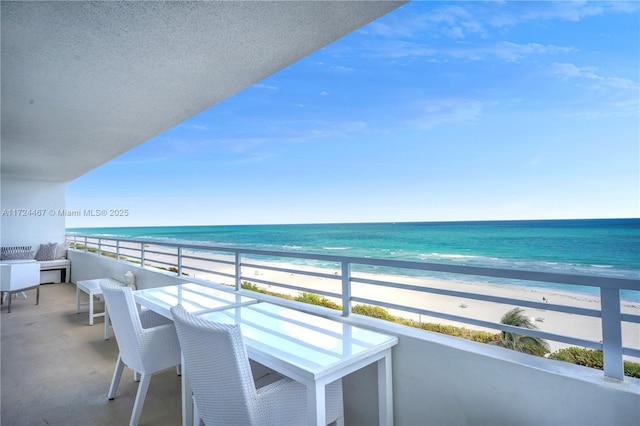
(316, 404)
(77, 299)
(90, 307)
(385, 390)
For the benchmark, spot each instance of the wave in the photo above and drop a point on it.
(448, 256)
(532, 265)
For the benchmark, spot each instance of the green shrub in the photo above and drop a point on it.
(591, 358)
(632, 369)
(580, 356)
(373, 311)
(314, 299)
(170, 269)
(465, 333)
(246, 285)
(452, 330)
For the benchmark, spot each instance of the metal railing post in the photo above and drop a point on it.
(611, 333)
(142, 255)
(179, 261)
(238, 275)
(346, 288)
(99, 246)
(118, 249)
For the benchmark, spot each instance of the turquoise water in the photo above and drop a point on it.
(608, 247)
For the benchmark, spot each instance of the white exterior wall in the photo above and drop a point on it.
(87, 266)
(26, 197)
(443, 380)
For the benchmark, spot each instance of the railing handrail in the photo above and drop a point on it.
(609, 286)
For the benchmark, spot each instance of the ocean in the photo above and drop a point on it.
(608, 247)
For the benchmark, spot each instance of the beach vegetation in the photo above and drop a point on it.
(164, 268)
(591, 358)
(314, 299)
(515, 317)
(374, 311)
(246, 285)
(518, 342)
(77, 246)
(452, 330)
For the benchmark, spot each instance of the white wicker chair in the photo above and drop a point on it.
(223, 387)
(147, 341)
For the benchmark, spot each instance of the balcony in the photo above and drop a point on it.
(437, 379)
(56, 369)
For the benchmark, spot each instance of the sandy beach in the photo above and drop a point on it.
(546, 320)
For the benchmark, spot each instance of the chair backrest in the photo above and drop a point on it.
(126, 323)
(216, 360)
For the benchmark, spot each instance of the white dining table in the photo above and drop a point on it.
(310, 349)
(195, 298)
(313, 350)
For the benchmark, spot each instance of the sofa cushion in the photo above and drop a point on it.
(61, 250)
(17, 253)
(46, 252)
(54, 264)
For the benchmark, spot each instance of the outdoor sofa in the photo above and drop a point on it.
(52, 258)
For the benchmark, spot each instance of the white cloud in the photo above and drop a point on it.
(514, 51)
(537, 160)
(573, 11)
(341, 69)
(504, 50)
(616, 96)
(451, 21)
(569, 70)
(189, 126)
(447, 111)
(306, 131)
(263, 86)
(253, 158)
(478, 18)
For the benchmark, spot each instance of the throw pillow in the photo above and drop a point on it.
(61, 251)
(17, 253)
(46, 252)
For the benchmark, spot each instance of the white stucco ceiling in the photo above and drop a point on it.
(83, 82)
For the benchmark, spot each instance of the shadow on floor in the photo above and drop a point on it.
(56, 369)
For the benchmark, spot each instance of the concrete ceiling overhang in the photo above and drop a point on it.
(83, 82)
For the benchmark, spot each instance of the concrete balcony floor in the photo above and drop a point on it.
(56, 369)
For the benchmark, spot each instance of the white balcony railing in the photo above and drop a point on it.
(341, 273)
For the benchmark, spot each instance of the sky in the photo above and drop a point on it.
(438, 111)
